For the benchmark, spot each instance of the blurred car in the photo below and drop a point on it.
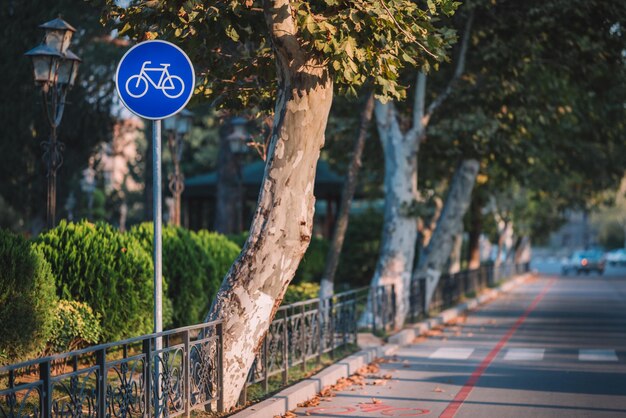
(584, 262)
(616, 257)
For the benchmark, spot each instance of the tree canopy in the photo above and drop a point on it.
(228, 41)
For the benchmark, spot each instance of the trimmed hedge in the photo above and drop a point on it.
(194, 264)
(75, 326)
(300, 292)
(219, 254)
(27, 298)
(108, 270)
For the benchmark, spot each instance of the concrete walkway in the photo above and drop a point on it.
(552, 347)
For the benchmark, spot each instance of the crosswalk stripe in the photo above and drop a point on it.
(597, 355)
(534, 354)
(452, 353)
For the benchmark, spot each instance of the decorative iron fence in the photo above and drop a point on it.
(165, 374)
(303, 332)
(452, 288)
(174, 372)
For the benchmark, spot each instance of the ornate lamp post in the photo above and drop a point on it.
(177, 127)
(230, 195)
(54, 68)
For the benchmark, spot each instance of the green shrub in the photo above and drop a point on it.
(219, 255)
(75, 326)
(360, 250)
(239, 239)
(194, 264)
(27, 298)
(108, 270)
(299, 292)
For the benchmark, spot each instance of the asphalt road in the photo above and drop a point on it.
(554, 347)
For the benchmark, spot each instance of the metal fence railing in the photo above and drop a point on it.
(452, 288)
(174, 372)
(301, 333)
(164, 374)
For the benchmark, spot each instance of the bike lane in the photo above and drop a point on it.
(435, 375)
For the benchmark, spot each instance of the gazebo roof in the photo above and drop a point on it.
(327, 182)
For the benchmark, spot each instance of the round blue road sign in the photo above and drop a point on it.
(155, 79)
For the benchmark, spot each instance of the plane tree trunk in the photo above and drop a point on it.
(282, 224)
(434, 257)
(397, 251)
(455, 255)
(397, 248)
(475, 230)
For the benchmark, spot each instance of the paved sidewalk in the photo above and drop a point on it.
(550, 348)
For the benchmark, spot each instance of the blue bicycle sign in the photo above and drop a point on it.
(155, 79)
(171, 85)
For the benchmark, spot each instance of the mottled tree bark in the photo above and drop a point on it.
(523, 251)
(475, 230)
(282, 225)
(433, 258)
(341, 225)
(455, 255)
(397, 248)
(397, 251)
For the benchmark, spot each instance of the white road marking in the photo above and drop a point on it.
(534, 354)
(597, 355)
(452, 353)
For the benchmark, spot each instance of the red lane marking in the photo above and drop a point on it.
(460, 397)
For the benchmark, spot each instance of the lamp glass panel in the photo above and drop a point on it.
(67, 38)
(44, 68)
(74, 72)
(55, 38)
(240, 132)
(237, 145)
(169, 124)
(64, 75)
(183, 126)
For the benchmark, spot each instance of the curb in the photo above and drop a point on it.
(290, 397)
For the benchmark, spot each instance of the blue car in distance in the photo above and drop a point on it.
(584, 262)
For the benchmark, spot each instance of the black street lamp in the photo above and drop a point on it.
(177, 127)
(234, 136)
(54, 69)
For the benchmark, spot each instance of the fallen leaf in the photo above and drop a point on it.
(438, 389)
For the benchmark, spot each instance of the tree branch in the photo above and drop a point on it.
(417, 130)
(283, 32)
(458, 72)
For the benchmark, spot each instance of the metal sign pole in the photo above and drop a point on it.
(158, 215)
(158, 279)
(139, 93)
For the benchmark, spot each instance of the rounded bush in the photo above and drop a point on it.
(301, 292)
(219, 254)
(194, 264)
(108, 270)
(27, 298)
(75, 326)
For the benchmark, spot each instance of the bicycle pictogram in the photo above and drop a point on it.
(172, 86)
